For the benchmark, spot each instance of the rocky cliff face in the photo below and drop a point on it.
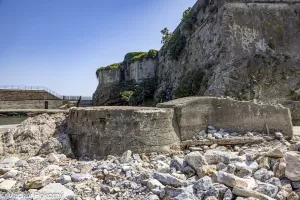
(230, 43)
(107, 95)
(126, 76)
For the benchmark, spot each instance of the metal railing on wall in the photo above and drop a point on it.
(23, 87)
(76, 98)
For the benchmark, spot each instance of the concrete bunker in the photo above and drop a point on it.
(101, 131)
(196, 113)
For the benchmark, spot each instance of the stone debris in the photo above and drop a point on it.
(42, 134)
(221, 173)
(217, 172)
(292, 170)
(7, 185)
(57, 188)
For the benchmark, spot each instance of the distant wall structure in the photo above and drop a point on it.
(17, 95)
(31, 104)
(28, 99)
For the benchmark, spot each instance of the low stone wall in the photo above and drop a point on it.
(18, 95)
(194, 114)
(101, 131)
(30, 104)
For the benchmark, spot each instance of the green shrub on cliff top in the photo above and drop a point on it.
(174, 43)
(152, 53)
(130, 58)
(139, 56)
(189, 18)
(112, 66)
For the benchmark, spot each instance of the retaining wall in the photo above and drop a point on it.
(30, 104)
(18, 95)
(194, 114)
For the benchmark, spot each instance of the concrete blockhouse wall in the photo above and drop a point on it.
(18, 95)
(30, 104)
(194, 114)
(28, 99)
(101, 131)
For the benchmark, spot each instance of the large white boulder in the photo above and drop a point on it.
(292, 170)
(42, 134)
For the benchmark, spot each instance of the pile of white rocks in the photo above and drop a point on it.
(37, 164)
(266, 171)
(42, 134)
(213, 133)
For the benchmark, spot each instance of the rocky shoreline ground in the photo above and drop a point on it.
(35, 168)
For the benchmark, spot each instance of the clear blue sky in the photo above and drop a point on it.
(60, 43)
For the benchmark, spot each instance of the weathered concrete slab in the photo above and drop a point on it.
(101, 131)
(194, 114)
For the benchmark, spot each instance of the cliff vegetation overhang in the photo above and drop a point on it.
(130, 57)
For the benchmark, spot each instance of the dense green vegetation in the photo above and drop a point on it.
(189, 18)
(176, 44)
(139, 56)
(130, 58)
(133, 55)
(112, 66)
